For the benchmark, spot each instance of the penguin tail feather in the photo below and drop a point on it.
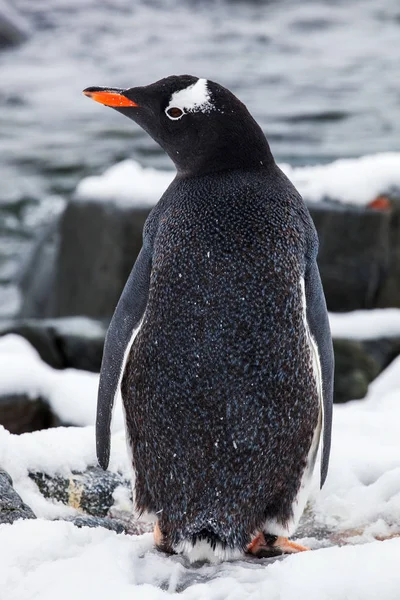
(208, 544)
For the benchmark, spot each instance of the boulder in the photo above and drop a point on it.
(112, 524)
(11, 505)
(90, 492)
(75, 342)
(389, 291)
(355, 368)
(354, 254)
(99, 242)
(36, 280)
(19, 413)
(81, 263)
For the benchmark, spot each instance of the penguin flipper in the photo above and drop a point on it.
(126, 319)
(318, 323)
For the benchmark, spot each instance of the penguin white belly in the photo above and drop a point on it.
(272, 526)
(146, 516)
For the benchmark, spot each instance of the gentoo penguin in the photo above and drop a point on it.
(220, 341)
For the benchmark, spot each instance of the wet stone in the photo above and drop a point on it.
(11, 505)
(90, 492)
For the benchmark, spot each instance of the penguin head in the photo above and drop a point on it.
(201, 125)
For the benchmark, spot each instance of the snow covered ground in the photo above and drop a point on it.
(360, 503)
(349, 180)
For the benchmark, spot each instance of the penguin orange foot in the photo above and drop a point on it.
(266, 545)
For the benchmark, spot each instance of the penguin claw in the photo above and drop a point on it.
(267, 546)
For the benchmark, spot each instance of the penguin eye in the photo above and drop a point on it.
(174, 112)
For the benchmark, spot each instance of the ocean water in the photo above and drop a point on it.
(321, 77)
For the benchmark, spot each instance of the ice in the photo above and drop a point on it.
(349, 180)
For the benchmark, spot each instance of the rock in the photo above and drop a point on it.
(354, 254)
(70, 342)
(99, 244)
(389, 291)
(11, 505)
(13, 28)
(354, 370)
(382, 350)
(36, 280)
(20, 413)
(107, 523)
(82, 262)
(90, 492)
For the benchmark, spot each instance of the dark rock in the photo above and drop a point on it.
(82, 262)
(80, 341)
(389, 292)
(90, 491)
(99, 244)
(13, 29)
(75, 342)
(21, 414)
(36, 280)
(106, 522)
(354, 370)
(382, 350)
(11, 505)
(354, 254)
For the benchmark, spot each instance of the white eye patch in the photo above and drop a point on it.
(195, 98)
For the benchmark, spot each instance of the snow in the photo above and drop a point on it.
(196, 97)
(366, 324)
(47, 560)
(359, 502)
(349, 180)
(126, 183)
(57, 451)
(72, 394)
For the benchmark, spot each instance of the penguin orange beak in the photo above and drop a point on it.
(109, 96)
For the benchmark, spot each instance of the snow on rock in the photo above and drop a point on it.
(58, 451)
(126, 182)
(348, 180)
(96, 564)
(366, 324)
(71, 393)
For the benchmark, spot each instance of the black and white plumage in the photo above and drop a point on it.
(220, 340)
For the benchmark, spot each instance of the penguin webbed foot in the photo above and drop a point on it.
(265, 545)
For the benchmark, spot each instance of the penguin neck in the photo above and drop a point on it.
(245, 149)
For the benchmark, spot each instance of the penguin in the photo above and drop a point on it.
(220, 343)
